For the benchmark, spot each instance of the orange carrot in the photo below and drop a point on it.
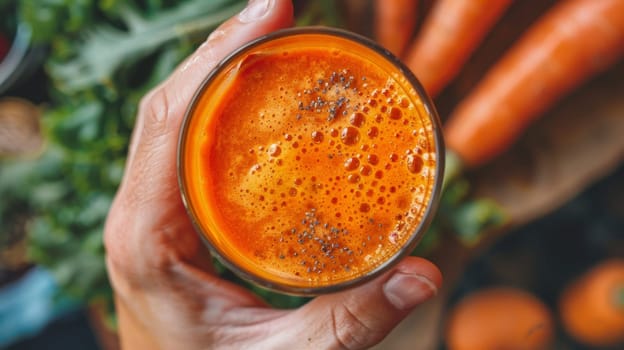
(500, 318)
(592, 307)
(574, 40)
(395, 21)
(451, 32)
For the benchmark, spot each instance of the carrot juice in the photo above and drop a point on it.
(310, 160)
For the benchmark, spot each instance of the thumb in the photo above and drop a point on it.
(360, 318)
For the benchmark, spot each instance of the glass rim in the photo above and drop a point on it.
(415, 236)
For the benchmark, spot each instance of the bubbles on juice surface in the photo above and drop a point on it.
(337, 175)
(414, 163)
(317, 136)
(373, 159)
(274, 150)
(358, 173)
(351, 164)
(356, 119)
(349, 135)
(395, 113)
(365, 170)
(372, 132)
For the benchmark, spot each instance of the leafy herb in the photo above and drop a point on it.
(96, 63)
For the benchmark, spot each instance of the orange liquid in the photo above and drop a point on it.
(309, 166)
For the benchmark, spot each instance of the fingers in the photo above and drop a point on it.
(362, 317)
(147, 218)
(162, 110)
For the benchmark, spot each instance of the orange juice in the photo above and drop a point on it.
(310, 160)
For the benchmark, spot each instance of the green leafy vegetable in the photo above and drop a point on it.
(49, 17)
(96, 62)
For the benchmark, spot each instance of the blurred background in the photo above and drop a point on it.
(531, 227)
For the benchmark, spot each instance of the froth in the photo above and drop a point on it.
(332, 172)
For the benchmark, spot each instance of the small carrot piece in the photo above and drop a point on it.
(573, 41)
(451, 32)
(395, 21)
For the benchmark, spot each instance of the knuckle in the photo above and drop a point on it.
(155, 108)
(350, 331)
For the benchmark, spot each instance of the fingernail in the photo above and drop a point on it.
(255, 10)
(405, 291)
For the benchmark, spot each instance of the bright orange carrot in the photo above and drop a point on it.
(450, 33)
(395, 21)
(592, 307)
(500, 318)
(574, 40)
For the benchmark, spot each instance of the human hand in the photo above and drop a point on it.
(167, 293)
